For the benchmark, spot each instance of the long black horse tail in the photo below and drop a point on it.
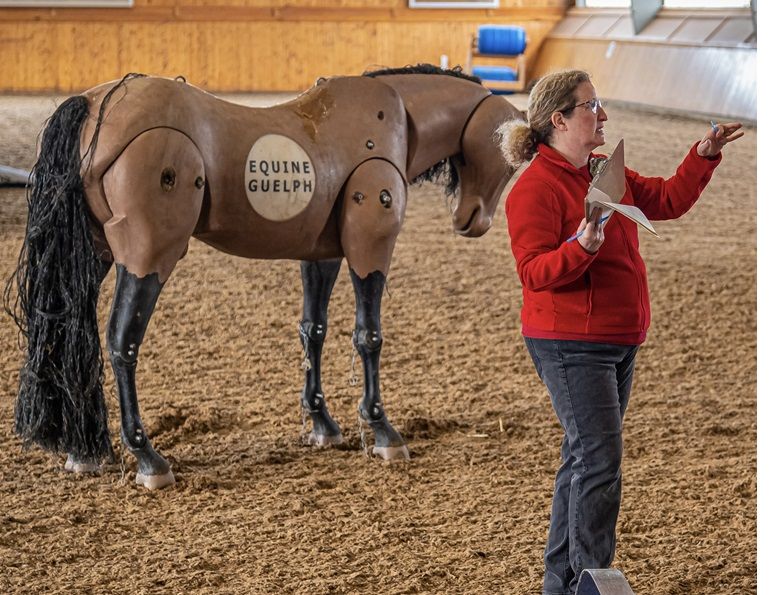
(60, 405)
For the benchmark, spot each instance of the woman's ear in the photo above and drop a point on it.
(559, 121)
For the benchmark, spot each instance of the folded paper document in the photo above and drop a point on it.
(607, 190)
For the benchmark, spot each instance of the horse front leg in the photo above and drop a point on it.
(317, 282)
(372, 213)
(367, 339)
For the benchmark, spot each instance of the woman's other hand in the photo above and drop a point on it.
(593, 232)
(714, 140)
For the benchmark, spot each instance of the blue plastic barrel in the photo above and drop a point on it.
(507, 40)
(495, 73)
(489, 74)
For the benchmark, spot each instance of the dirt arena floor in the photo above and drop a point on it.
(255, 511)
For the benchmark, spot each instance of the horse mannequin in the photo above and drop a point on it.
(129, 171)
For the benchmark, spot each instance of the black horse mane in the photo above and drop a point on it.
(444, 172)
(455, 71)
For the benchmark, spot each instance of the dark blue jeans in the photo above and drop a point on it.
(589, 384)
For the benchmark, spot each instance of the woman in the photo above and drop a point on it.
(586, 307)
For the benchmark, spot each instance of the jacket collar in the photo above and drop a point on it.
(553, 156)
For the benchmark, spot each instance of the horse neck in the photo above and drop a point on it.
(438, 107)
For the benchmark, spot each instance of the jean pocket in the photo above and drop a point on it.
(532, 348)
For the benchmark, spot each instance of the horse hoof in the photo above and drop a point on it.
(74, 466)
(392, 453)
(321, 440)
(155, 482)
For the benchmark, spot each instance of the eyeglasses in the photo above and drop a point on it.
(593, 104)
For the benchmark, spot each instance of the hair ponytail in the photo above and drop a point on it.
(518, 142)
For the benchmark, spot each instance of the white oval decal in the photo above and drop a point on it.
(280, 178)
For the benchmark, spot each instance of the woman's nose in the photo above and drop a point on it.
(602, 115)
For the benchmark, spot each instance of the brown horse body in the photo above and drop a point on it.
(316, 179)
(327, 121)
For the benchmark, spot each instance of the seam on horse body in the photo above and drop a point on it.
(123, 150)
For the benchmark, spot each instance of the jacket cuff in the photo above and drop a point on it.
(579, 255)
(708, 162)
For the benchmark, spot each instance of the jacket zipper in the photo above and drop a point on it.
(645, 315)
(589, 292)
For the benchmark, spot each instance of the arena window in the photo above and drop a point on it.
(669, 3)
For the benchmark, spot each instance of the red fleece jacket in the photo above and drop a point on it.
(569, 293)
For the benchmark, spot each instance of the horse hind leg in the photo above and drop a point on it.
(372, 213)
(133, 304)
(155, 191)
(317, 282)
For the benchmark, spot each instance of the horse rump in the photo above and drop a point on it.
(52, 297)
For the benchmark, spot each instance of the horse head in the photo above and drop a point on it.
(481, 168)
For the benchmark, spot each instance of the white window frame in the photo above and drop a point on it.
(66, 3)
(462, 4)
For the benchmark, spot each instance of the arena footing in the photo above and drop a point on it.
(603, 581)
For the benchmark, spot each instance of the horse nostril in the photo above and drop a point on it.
(168, 179)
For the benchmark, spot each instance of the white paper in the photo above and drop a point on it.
(608, 188)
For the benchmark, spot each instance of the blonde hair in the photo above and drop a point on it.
(552, 93)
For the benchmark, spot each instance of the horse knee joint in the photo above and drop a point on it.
(133, 434)
(312, 331)
(369, 340)
(314, 403)
(374, 412)
(126, 354)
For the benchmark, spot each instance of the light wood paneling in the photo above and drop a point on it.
(334, 4)
(245, 45)
(238, 12)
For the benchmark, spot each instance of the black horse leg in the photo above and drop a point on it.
(317, 282)
(367, 339)
(73, 463)
(132, 308)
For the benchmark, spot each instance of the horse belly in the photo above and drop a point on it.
(308, 236)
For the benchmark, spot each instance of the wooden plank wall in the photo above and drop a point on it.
(242, 45)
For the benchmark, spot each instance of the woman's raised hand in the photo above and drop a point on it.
(717, 137)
